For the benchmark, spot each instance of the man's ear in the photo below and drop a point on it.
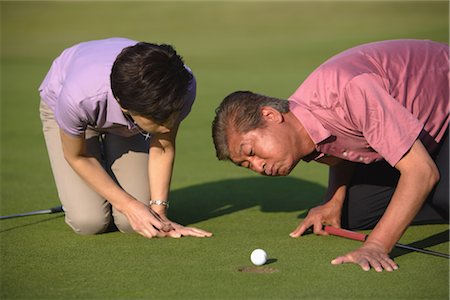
(270, 114)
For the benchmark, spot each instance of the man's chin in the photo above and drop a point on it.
(284, 172)
(288, 170)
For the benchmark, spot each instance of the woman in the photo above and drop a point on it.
(110, 111)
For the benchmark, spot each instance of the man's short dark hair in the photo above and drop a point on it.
(150, 80)
(240, 112)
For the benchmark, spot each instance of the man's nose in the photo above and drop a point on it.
(257, 164)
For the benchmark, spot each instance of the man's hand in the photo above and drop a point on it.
(330, 211)
(369, 255)
(327, 213)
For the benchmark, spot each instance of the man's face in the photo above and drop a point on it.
(269, 151)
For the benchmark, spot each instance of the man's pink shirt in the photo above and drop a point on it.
(373, 101)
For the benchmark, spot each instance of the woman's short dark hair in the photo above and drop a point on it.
(240, 112)
(150, 80)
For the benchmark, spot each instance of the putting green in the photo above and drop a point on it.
(266, 47)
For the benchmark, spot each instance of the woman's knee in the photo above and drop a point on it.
(122, 223)
(88, 224)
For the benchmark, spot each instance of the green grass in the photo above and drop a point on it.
(266, 47)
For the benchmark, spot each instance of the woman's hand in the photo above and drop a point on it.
(145, 221)
(149, 223)
(180, 230)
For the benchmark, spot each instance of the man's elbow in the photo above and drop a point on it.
(433, 175)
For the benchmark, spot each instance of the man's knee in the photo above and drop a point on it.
(365, 205)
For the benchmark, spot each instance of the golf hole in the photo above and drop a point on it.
(252, 269)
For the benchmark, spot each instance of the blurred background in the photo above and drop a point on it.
(267, 47)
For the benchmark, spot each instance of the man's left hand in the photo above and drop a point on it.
(369, 255)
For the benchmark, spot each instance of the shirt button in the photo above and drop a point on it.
(360, 158)
(345, 153)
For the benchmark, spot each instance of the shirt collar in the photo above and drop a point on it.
(114, 112)
(312, 125)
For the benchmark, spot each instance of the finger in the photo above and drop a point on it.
(346, 259)
(188, 231)
(166, 227)
(204, 233)
(336, 223)
(318, 228)
(159, 223)
(393, 264)
(161, 234)
(148, 232)
(300, 229)
(174, 234)
(388, 265)
(375, 263)
(339, 260)
(365, 265)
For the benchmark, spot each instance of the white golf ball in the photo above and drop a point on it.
(258, 257)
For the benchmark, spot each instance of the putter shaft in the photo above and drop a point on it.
(362, 237)
(52, 210)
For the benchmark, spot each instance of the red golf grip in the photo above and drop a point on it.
(346, 233)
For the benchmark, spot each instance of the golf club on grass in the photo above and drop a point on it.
(52, 210)
(362, 237)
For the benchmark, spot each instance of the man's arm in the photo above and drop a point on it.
(330, 211)
(418, 176)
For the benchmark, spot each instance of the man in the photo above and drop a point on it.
(377, 115)
(110, 111)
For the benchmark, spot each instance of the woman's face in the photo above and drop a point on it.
(152, 127)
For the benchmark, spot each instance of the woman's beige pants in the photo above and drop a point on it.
(124, 158)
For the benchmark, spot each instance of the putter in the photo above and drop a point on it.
(56, 209)
(362, 237)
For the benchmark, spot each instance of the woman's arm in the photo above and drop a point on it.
(89, 168)
(161, 162)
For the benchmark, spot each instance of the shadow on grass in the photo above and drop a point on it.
(30, 223)
(281, 194)
(210, 200)
(439, 238)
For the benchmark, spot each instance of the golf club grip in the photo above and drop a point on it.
(56, 209)
(346, 233)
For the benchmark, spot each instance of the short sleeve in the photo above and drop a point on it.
(388, 127)
(69, 115)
